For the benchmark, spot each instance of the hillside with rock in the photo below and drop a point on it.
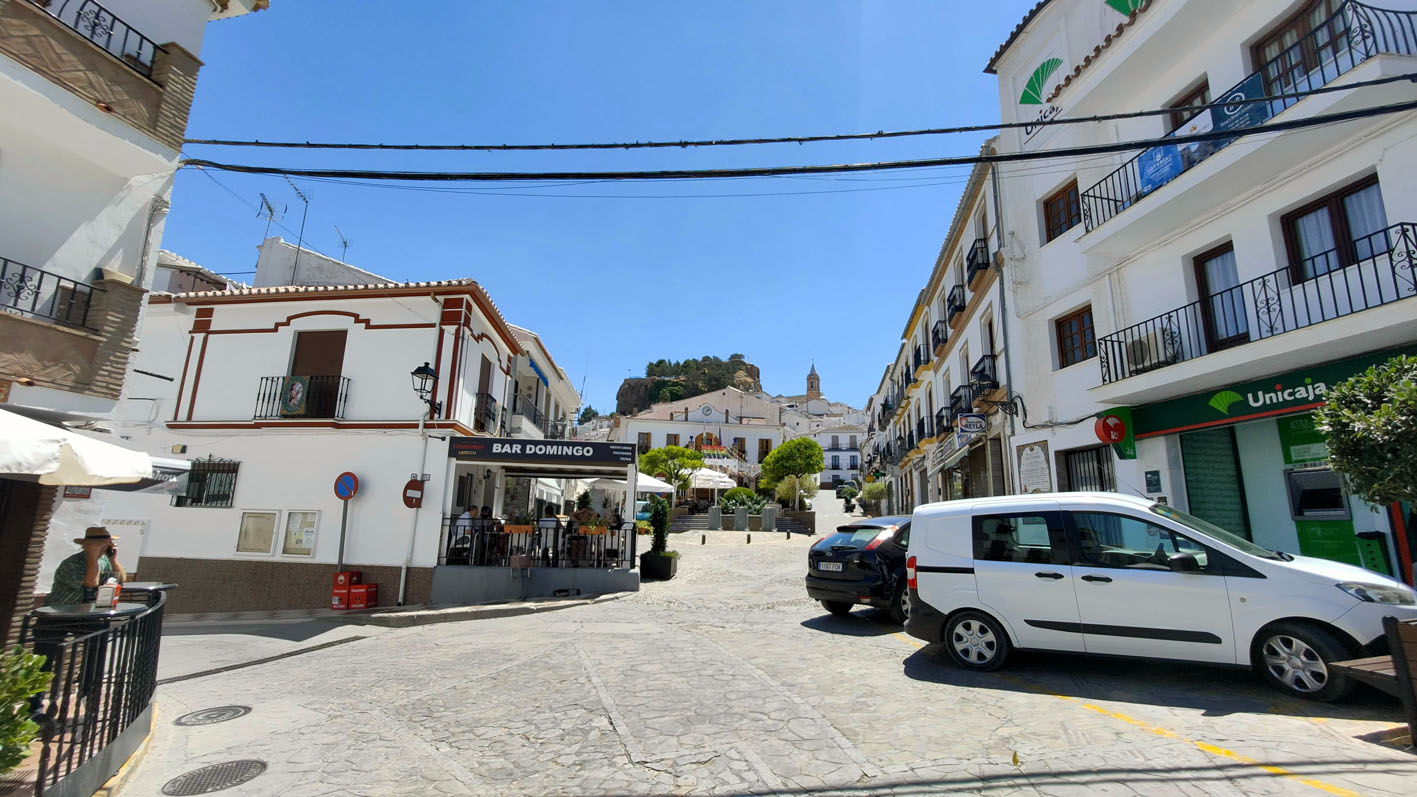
(668, 380)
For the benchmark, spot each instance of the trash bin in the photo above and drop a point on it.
(1372, 552)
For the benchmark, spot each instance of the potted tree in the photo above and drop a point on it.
(659, 563)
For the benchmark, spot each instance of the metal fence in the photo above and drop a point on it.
(107, 30)
(487, 544)
(1369, 272)
(103, 679)
(1355, 33)
(31, 291)
(301, 397)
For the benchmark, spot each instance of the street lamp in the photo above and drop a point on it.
(423, 379)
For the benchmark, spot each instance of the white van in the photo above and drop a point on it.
(1105, 573)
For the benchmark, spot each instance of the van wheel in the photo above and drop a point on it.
(838, 608)
(976, 641)
(1296, 657)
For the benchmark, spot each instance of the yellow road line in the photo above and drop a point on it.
(1206, 747)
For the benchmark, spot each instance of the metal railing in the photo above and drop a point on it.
(525, 407)
(922, 355)
(939, 333)
(103, 675)
(961, 401)
(977, 260)
(1372, 271)
(942, 420)
(954, 303)
(301, 397)
(492, 544)
(107, 30)
(985, 373)
(486, 418)
(1354, 34)
(557, 430)
(26, 290)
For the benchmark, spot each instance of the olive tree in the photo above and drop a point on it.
(1370, 422)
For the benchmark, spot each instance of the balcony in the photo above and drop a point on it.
(104, 28)
(1373, 271)
(558, 430)
(942, 420)
(954, 304)
(1354, 34)
(939, 335)
(526, 417)
(984, 376)
(961, 401)
(285, 397)
(977, 261)
(486, 418)
(36, 293)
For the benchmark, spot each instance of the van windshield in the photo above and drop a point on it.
(1214, 531)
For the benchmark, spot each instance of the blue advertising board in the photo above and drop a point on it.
(1236, 112)
(1157, 167)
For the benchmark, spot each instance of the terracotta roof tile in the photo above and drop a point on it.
(1018, 30)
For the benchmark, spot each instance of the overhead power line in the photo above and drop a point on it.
(732, 142)
(775, 171)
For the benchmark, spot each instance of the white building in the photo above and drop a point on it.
(747, 427)
(841, 452)
(1205, 294)
(95, 102)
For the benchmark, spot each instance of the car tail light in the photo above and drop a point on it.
(910, 573)
(885, 534)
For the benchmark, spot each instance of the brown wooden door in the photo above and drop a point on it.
(318, 353)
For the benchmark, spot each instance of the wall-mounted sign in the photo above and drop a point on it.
(1115, 427)
(506, 449)
(972, 423)
(1153, 481)
(78, 492)
(1034, 474)
(413, 493)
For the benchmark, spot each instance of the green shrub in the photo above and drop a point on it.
(583, 500)
(873, 491)
(20, 679)
(738, 492)
(848, 492)
(1370, 424)
(659, 520)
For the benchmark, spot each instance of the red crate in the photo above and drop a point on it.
(339, 598)
(363, 596)
(345, 578)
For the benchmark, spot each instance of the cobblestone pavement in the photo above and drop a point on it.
(728, 680)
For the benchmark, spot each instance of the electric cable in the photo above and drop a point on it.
(728, 142)
(772, 171)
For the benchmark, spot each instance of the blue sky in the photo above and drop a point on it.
(613, 275)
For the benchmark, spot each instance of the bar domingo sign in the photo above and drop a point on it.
(505, 449)
(1282, 394)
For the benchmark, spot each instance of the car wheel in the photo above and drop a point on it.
(1296, 659)
(976, 641)
(900, 604)
(838, 608)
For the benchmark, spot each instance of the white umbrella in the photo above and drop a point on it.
(643, 484)
(61, 456)
(708, 478)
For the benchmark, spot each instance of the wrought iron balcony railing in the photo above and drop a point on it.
(26, 290)
(107, 30)
(1355, 33)
(558, 430)
(942, 420)
(977, 260)
(486, 419)
(526, 408)
(1370, 272)
(954, 303)
(301, 397)
(922, 355)
(939, 334)
(985, 373)
(961, 401)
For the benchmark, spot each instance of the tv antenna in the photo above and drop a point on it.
(343, 242)
(270, 212)
(300, 238)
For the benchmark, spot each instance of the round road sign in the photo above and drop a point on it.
(346, 485)
(413, 494)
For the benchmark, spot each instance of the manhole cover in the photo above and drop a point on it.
(214, 778)
(210, 716)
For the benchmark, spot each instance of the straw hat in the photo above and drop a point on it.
(95, 533)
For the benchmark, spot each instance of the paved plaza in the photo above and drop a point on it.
(729, 680)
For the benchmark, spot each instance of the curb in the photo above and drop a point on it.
(114, 785)
(382, 617)
(457, 614)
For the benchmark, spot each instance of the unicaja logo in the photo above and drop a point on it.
(1033, 89)
(1309, 391)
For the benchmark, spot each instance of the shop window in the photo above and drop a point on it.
(1061, 211)
(257, 533)
(1019, 538)
(1183, 110)
(1316, 494)
(642, 442)
(1076, 339)
(300, 528)
(1090, 469)
(1338, 230)
(211, 483)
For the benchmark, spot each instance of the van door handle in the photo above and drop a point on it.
(1103, 579)
(1049, 575)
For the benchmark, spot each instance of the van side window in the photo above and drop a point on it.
(1014, 538)
(1108, 540)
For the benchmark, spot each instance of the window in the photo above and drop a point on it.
(300, 528)
(1338, 230)
(854, 462)
(1061, 211)
(1222, 305)
(642, 442)
(852, 442)
(740, 446)
(1089, 469)
(836, 462)
(764, 447)
(1181, 110)
(1076, 339)
(836, 442)
(671, 439)
(1036, 538)
(211, 483)
(1121, 541)
(257, 533)
(1301, 52)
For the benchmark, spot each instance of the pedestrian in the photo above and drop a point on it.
(78, 577)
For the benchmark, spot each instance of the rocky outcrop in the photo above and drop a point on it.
(633, 395)
(671, 381)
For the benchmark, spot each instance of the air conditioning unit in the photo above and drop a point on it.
(1152, 350)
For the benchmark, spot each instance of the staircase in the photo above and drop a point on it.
(690, 523)
(786, 524)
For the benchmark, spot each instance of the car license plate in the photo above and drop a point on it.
(832, 566)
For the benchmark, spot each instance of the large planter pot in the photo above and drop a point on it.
(658, 567)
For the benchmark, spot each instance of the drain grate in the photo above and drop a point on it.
(211, 716)
(214, 778)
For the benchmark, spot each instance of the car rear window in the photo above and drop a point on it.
(852, 537)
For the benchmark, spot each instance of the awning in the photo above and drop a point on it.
(53, 455)
(643, 484)
(709, 479)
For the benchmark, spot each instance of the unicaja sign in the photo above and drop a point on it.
(1309, 392)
